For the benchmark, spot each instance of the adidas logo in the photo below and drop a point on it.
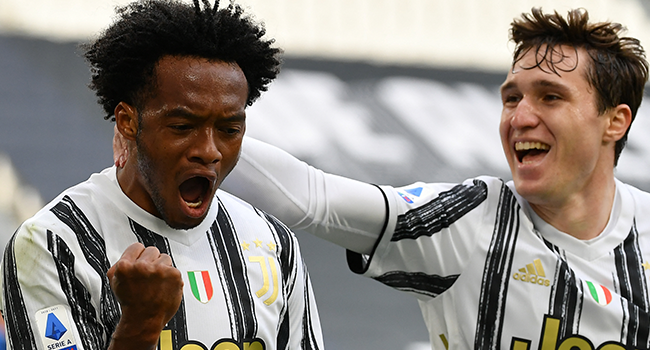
(532, 273)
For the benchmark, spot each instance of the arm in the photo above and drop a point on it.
(45, 273)
(346, 212)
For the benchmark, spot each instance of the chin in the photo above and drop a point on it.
(183, 223)
(532, 193)
(182, 226)
(525, 189)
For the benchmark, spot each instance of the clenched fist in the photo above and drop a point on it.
(149, 289)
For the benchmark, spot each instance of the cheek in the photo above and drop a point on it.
(230, 157)
(230, 150)
(504, 132)
(228, 163)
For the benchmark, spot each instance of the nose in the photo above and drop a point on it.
(525, 115)
(205, 147)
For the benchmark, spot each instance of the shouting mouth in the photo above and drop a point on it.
(528, 152)
(195, 191)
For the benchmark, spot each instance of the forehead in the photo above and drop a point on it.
(559, 64)
(190, 71)
(197, 83)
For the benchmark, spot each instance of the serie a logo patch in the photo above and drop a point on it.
(410, 195)
(54, 328)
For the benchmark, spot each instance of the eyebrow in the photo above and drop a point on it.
(184, 113)
(537, 83)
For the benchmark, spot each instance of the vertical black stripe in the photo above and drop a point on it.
(286, 254)
(498, 264)
(567, 295)
(284, 332)
(94, 248)
(309, 336)
(178, 323)
(234, 277)
(19, 329)
(288, 251)
(441, 212)
(633, 288)
(78, 297)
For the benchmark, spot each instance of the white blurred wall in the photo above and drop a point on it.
(460, 34)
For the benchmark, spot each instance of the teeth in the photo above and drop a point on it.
(525, 146)
(194, 205)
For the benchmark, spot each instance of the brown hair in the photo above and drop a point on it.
(618, 70)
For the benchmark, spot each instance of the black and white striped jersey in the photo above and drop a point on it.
(490, 274)
(246, 286)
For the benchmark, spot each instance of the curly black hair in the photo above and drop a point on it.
(123, 58)
(618, 69)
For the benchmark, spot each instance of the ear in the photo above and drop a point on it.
(619, 120)
(126, 120)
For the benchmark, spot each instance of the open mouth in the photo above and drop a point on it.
(528, 151)
(194, 191)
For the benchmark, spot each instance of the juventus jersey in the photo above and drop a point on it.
(489, 274)
(245, 284)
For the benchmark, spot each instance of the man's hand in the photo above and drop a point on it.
(120, 152)
(149, 290)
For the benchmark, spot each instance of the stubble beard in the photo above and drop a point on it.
(146, 168)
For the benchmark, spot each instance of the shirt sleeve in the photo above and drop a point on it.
(432, 232)
(45, 302)
(344, 211)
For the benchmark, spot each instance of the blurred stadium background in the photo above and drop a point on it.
(387, 91)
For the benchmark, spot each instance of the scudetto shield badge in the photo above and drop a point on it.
(201, 285)
(599, 293)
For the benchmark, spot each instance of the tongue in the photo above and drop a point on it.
(532, 154)
(192, 189)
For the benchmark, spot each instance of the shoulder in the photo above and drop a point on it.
(641, 199)
(638, 194)
(238, 208)
(475, 190)
(231, 201)
(75, 204)
(255, 224)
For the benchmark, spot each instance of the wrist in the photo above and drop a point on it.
(136, 334)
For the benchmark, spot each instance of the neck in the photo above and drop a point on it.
(131, 185)
(583, 215)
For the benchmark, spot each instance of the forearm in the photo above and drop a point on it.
(341, 210)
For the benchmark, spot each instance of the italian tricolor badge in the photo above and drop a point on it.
(201, 285)
(599, 293)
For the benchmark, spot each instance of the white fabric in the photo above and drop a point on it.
(344, 211)
(261, 290)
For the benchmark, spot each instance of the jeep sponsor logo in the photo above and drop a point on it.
(166, 343)
(550, 340)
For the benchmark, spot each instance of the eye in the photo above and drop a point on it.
(231, 131)
(181, 127)
(551, 97)
(512, 98)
